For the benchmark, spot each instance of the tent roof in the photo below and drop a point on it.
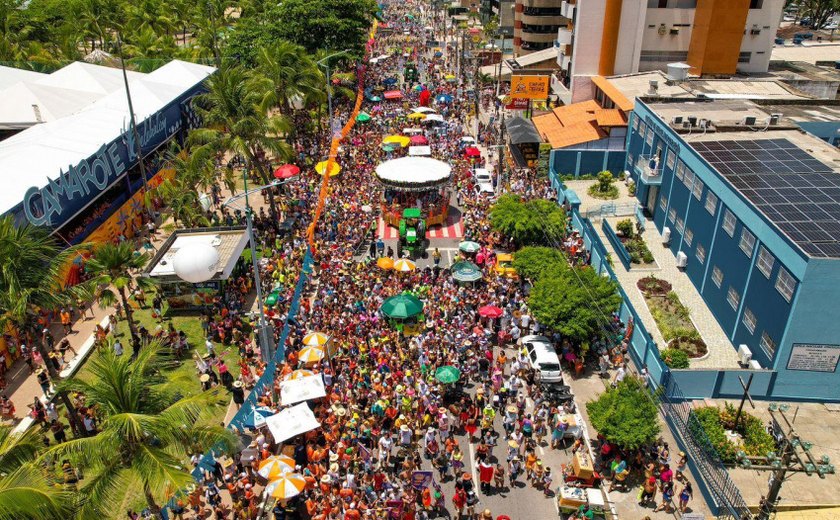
(522, 131)
(10, 75)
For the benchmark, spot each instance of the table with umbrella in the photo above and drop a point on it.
(403, 312)
(465, 272)
(386, 263)
(490, 311)
(468, 246)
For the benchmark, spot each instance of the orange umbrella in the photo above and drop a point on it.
(385, 262)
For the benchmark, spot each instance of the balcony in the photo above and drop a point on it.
(649, 170)
(564, 35)
(568, 9)
(564, 61)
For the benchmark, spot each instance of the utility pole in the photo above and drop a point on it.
(746, 396)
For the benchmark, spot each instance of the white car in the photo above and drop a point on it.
(543, 358)
(484, 181)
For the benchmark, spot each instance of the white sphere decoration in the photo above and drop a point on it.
(196, 263)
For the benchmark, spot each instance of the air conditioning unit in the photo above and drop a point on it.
(666, 236)
(704, 123)
(692, 120)
(675, 30)
(755, 365)
(775, 118)
(677, 121)
(744, 355)
(749, 120)
(682, 260)
(686, 124)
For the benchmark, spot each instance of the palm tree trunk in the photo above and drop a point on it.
(154, 508)
(55, 377)
(129, 313)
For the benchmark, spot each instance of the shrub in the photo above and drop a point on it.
(647, 257)
(625, 415)
(708, 422)
(715, 422)
(625, 227)
(632, 190)
(674, 358)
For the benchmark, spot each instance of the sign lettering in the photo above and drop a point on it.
(529, 87)
(814, 358)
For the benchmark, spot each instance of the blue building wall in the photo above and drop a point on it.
(576, 162)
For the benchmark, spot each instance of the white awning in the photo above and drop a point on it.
(434, 117)
(413, 170)
(291, 422)
(303, 389)
(416, 151)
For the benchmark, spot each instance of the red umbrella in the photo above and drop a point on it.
(419, 140)
(425, 95)
(490, 311)
(472, 151)
(393, 94)
(474, 30)
(286, 171)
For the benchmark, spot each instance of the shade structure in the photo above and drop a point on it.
(393, 95)
(402, 306)
(413, 173)
(363, 117)
(472, 151)
(468, 139)
(291, 422)
(321, 168)
(490, 311)
(275, 466)
(257, 417)
(388, 148)
(419, 140)
(375, 99)
(386, 262)
(287, 171)
(311, 354)
(465, 272)
(196, 263)
(399, 140)
(447, 374)
(286, 486)
(315, 339)
(417, 116)
(404, 265)
(434, 118)
(424, 110)
(298, 374)
(449, 77)
(468, 246)
(420, 151)
(297, 390)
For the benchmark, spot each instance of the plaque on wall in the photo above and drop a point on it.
(814, 358)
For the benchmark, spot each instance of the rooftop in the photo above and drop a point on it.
(571, 124)
(810, 52)
(228, 241)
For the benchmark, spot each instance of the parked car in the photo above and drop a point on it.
(543, 359)
(484, 181)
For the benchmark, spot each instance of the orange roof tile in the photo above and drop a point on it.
(613, 93)
(610, 117)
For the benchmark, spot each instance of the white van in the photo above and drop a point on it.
(543, 358)
(484, 181)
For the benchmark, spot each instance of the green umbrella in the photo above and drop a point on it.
(363, 118)
(376, 98)
(447, 374)
(401, 306)
(388, 148)
(468, 246)
(465, 272)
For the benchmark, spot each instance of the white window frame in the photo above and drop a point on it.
(688, 180)
(785, 284)
(698, 188)
(731, 295)
(663, 202)
(711, 202)
(717, 276)
(672, 214)
(748, 319)
(765, 261)
(747, 244)
(680, 172)
(729, 222)
(688, 236)
(767, 344)
(649, 136)
(700, 253)
(636, 123)
(670, 159)
(680, 224)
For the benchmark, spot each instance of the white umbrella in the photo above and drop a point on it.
(434, 117)
(424, 110)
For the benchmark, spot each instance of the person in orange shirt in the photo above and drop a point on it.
(65, 321)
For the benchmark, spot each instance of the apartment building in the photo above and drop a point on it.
(535, 24)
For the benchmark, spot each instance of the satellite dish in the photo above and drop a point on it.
(196, 263)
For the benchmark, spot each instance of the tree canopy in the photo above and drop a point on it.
(533, 222)
(533, 262)
(625, 415)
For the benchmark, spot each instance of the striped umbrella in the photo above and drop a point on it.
(404, 265)
(285, 486)
(276, 466)
(298, 374)
(311, 354)
(315, 339)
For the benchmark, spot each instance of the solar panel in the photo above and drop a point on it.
(796, 191)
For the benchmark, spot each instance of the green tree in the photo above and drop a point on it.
(818, 10)
(625, 415)
(533, 262)
(576, 302)
(535, 222)
(292, 71)
(147, 431)
(605, 181)
(110, 268)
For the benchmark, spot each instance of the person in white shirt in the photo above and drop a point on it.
(620, 375)
(385, 444)
(118, 348)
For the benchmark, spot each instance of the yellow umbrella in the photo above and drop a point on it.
(403, 265)
(315, 339)
(449, 76)
(417, 115)
(286, 486)
(385, 263)
(298, 374)
(321, 168)
(275, 466)
(311, 354)
(397, 139)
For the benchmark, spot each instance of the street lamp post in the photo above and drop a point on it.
(326, 65)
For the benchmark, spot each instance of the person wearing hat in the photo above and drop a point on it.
(43, 380)
(238, 392)
(486, 515)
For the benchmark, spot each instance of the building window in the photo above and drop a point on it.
(688, 180)
(744, 57)
(663, 56)
(649, 136)
(689, 236)
(670, 159)
(672, 214)
(749, 320)
(698, 189)
(663, 202)
(729, 222)
(711, 202)
(701, 253)
(642, 127)
(747, 242)
(765, 261)
(680, 170)
(733, 298)
(680, 225)
(636, 123)
(785, 284)
(717, 276)
(768, 344)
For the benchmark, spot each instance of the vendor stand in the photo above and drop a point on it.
(419, 182)
(404, 312)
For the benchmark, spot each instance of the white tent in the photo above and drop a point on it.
(303, 389)
(416, 151)
(413, 170)
(291, 422)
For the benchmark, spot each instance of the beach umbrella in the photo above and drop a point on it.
(286, 486)
(418, 88)
(447, 374)
(298, 374)
(400, 140)
(424, 110)
(311, 354)
(438, 54)
(286, 171)
(465, 272)
(276, 466)
(315, 339)
(390, 81)
(389, 147)
(444, 98)
(363, 117)
(404, 265)
(321, 168)
(385, 263)
(490, 311)
(257, 418)
(376, 99)
(393, 94)
(401, 306)
(417, 116)
(472, 151)
(474, 30)
(419, 140)
(449, 77)
(468, 246)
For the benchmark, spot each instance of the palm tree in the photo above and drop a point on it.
(110, 269)
(27, 490)
(292, 71)
(147, 431)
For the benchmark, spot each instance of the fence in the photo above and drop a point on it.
(613, 210)
(618, 247)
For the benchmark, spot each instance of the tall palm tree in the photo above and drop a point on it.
(147, 431)
(292, 71)
(27, 489)
(110, 269)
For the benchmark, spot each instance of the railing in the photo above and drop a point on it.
(618, 247)
(649, 169)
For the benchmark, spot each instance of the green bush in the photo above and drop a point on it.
(708, 422)
(674, 358)
(638, 249)
(632, 190)
(647, 257)
(625, 227)
(755, 437)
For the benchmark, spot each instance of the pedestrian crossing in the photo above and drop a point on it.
(453, 229)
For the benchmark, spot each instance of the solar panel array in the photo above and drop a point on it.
(798, 193)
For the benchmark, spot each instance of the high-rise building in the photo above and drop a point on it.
(714, 37)
(536, 23)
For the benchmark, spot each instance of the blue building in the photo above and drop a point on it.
(751, 204)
